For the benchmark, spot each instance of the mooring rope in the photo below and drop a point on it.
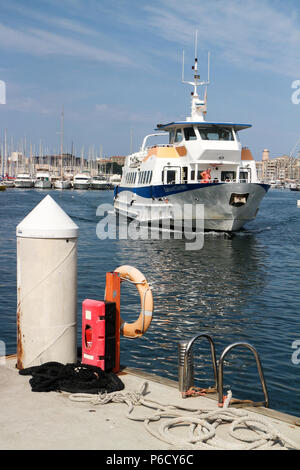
(202, 424)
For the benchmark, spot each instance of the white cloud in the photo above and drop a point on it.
(29, 105)
(62, 22)
(252, 34)
(40, 43)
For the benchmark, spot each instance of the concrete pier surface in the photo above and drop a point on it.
(50, 421)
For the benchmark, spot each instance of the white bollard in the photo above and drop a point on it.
(47, 286)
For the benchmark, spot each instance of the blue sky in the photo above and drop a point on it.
(115, 67)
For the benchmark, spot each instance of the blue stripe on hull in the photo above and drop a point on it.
(162, 190)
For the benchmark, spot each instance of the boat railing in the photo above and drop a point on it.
(143, 147)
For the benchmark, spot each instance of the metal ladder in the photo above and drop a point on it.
(186, 368)
(186, 362)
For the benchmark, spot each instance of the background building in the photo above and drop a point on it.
(283, 169)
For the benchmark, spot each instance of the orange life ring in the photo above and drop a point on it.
(141, 325)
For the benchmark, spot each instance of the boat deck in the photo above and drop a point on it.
(43, 421)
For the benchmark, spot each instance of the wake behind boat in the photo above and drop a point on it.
(202, 163)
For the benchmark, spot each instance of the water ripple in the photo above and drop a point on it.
(237, 288)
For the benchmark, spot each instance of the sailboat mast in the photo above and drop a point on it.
(1, 156)
(62, 143)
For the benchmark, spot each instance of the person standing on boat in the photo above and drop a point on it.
(206, 176)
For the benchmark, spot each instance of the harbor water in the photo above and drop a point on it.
(243, 287)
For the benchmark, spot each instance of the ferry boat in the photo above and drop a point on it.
(202, 163)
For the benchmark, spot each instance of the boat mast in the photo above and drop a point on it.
(62, 143)
(199, 107)
(81, 159)
(5, 153)
(1, 156)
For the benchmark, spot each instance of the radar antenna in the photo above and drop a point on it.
(199, 107)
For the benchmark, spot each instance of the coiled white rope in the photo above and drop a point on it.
(202, 424)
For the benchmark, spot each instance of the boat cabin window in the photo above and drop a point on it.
(178, 135)
(130, 177)
(215, 133)
(244, 176)
(189, 133)
(145, 177)
(228, 176)
(196, 175)
(171, 177)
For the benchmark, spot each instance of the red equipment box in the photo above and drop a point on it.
(99, 333)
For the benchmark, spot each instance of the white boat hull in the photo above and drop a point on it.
(43, 185)
(60, 184)
(101, 186)
(81, 185)
(8, 183)
(219, 212)
(24, 184)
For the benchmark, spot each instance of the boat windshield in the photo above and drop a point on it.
(215, 133)
(175, 135)
(206, 133)
(189, 133)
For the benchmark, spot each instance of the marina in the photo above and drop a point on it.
(44, 180)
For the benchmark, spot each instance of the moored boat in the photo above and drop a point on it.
(24, 180)
(43, 180)
(115, 180)
(62, 184)
(8, 182)
(100, 182)
(81, 181)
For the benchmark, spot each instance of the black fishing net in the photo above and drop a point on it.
(73, 378)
